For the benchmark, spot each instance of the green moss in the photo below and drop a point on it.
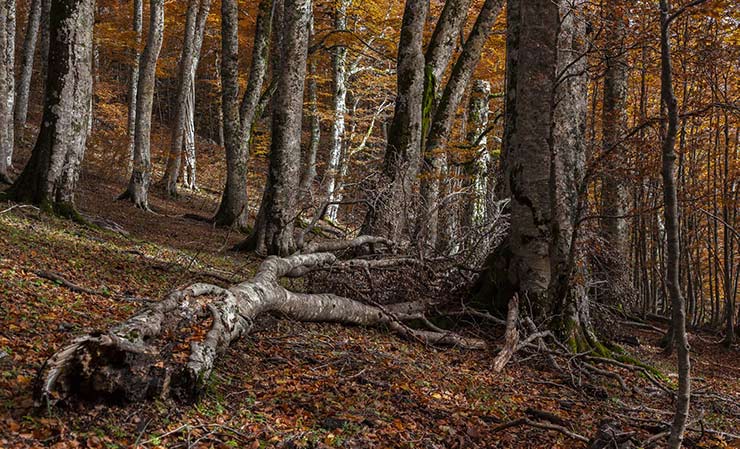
(427, 100)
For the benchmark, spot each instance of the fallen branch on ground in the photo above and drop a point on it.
(137, 359)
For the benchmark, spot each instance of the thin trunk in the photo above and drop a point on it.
(188, 172)
(671, 211)
(614, 123)
(195, 24)
(308, 174)
(137, 21)
(388, 215)
(339, 100)
(9, 65)
(444, 119)
(5, 113)
(24, 82)
(477, 175)
(50, 176)
(138, 188)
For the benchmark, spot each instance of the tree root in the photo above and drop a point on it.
(147, 356)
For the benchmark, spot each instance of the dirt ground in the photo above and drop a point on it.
(292, 384)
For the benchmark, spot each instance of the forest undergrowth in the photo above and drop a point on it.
(293, 384)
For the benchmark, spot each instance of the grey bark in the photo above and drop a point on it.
(531, 66)
(308, 174)
(568, 296)
(189, 170)
(138, 187)
(444, 118)
(477, 175)
(23, 88)
(273, 233)
(339, 102)
(125, 364)
(50, 176)
(5, 113)
(387, 216)
(239, 119)
(137, 24)
(195, 24)
(614, 123)
(671, 212)
(445, 37)
(9, 65)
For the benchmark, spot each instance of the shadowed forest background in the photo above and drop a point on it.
(419, 223)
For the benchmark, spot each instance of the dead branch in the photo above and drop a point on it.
(511, 336)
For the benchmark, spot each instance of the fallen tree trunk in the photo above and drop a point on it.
(148, 355)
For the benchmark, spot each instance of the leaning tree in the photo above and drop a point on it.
(50, 176)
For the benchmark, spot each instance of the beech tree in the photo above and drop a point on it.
(24, 82)
(544, 157)
(138, 187)
(6, 79)
(387, 214)
(444, 118)
(182, 131)
(238, 120)
(50, 176)
(137, 21)
(9, 88)
(273, 233)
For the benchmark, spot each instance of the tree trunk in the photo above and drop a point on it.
(138, 187)
(477, 176)
(614, 124)
(308, 173)
(126, 363)
(9, 65)
(273, 233)
(567, 291)
(388, 215)
(137, 21)
(50, 176)
(239, 120)
(339, 101)
(188, 172)
(6, 143)
(671, 212)
(444, 118)
(24, 82)
(195, 24)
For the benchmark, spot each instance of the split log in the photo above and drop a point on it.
(147, 357)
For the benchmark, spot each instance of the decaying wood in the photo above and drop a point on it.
(511, 337)
(137, 359)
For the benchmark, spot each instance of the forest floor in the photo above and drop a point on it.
(289, 384)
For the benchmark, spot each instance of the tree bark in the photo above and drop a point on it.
(9, 65)
(671, 211)
(444, 117)
(308, 174)
(239, 119)
(273, 233)
(138, 187)
(23, 88)
(50, 176)
(6, 142)
(339, 101)
(137, 23)
(195, 24)
(126, 362)
(614, 124)
(387, 216)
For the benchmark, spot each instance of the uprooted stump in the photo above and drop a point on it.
(170, 348)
